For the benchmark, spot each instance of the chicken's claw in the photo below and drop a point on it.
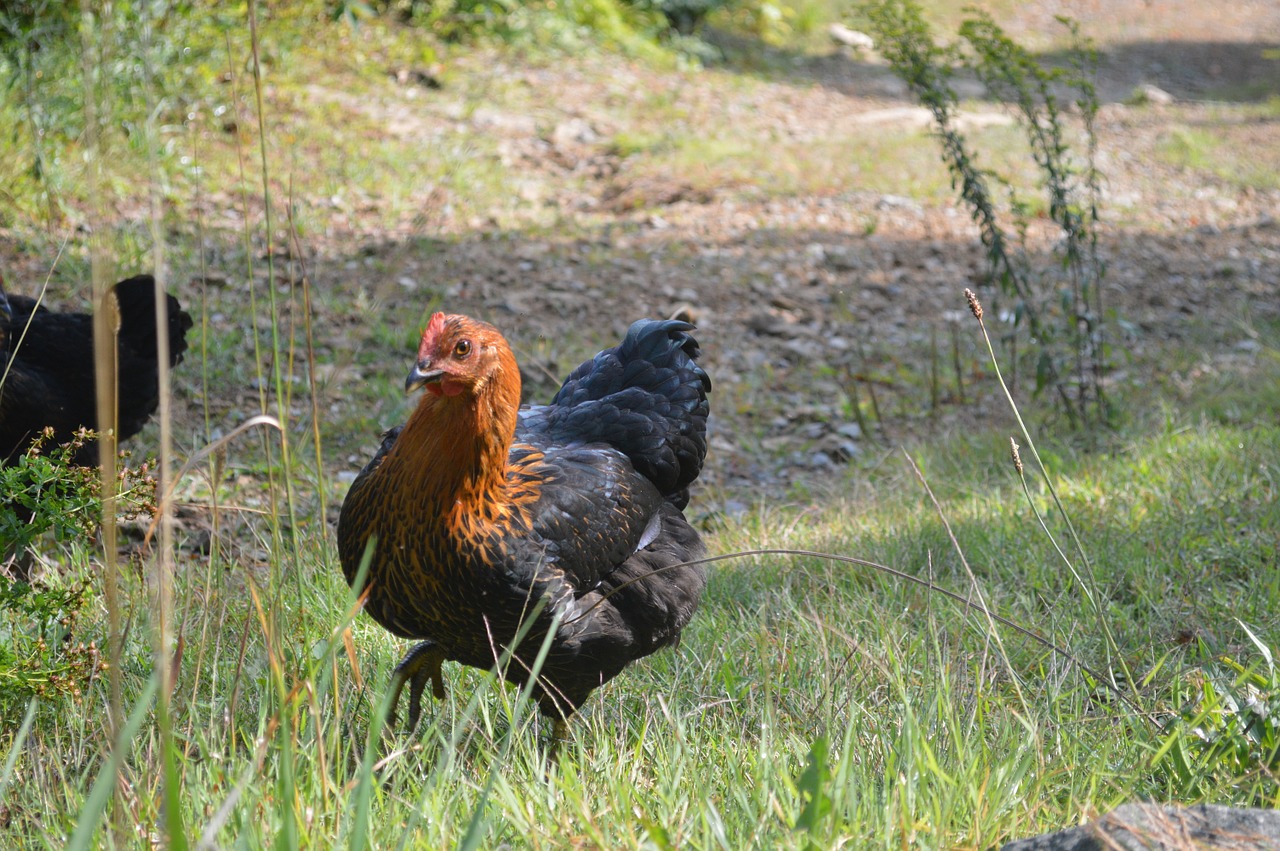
(420, 666)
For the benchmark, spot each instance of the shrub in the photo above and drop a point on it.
(1060, 306)
(50, 500)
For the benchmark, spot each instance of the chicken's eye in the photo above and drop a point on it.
(462, 349)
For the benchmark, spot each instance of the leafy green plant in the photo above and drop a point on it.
(47, 497)
(39, 654)
(456, 20)
(1228, 734)
(1061, 311)
(47, 494)
(813, 787)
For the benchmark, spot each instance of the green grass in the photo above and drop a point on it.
(800, 681)
(1212, 149)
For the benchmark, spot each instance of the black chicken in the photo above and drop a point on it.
(47, 367)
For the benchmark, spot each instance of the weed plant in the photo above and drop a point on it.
(1062, 313)
(50, 506)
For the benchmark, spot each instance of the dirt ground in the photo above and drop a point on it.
(832, 318)
(804, 300)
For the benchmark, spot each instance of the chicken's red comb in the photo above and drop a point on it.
(431, 335)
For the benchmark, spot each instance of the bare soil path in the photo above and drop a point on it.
(800, 216)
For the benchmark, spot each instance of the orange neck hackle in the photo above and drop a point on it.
(458, 439)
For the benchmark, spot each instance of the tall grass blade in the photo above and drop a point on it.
(105, 783)
(105, 321)
(6, 777)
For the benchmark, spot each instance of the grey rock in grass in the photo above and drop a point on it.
(1149, 94)
(1155, 827)
(848, 37)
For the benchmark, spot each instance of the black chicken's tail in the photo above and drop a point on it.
(646, 397)
(136, 299)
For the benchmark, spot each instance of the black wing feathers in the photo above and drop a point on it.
(591, 512)
(646, 397)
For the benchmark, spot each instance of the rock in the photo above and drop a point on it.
(686, 312)
(1155, 827)
(768, 324)
(841, 450)
(1150, 94)
(428, 78)
(843, 259)
(899, 202)
(518, 124)
(852, 431)
(849, 37)
(574, 131)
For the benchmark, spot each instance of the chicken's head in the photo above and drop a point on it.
(461, 356)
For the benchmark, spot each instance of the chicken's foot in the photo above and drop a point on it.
(559, 735)
(420, 666)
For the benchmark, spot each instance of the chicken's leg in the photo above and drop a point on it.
(420, 666)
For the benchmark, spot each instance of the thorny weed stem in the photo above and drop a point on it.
(1113, 649)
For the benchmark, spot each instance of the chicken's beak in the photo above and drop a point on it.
(421, 375)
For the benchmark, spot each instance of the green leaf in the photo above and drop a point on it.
(813, 784)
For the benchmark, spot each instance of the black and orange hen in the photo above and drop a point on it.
(47, 375)
(479, 517)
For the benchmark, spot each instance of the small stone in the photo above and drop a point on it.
(841, 450)
(849, 37)
(575, 131)
(843, 260)
(1150, 94)
(767, 323)
(850, 430)
(898, 202)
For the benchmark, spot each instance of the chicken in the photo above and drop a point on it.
(47, 372)
(479, 517)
